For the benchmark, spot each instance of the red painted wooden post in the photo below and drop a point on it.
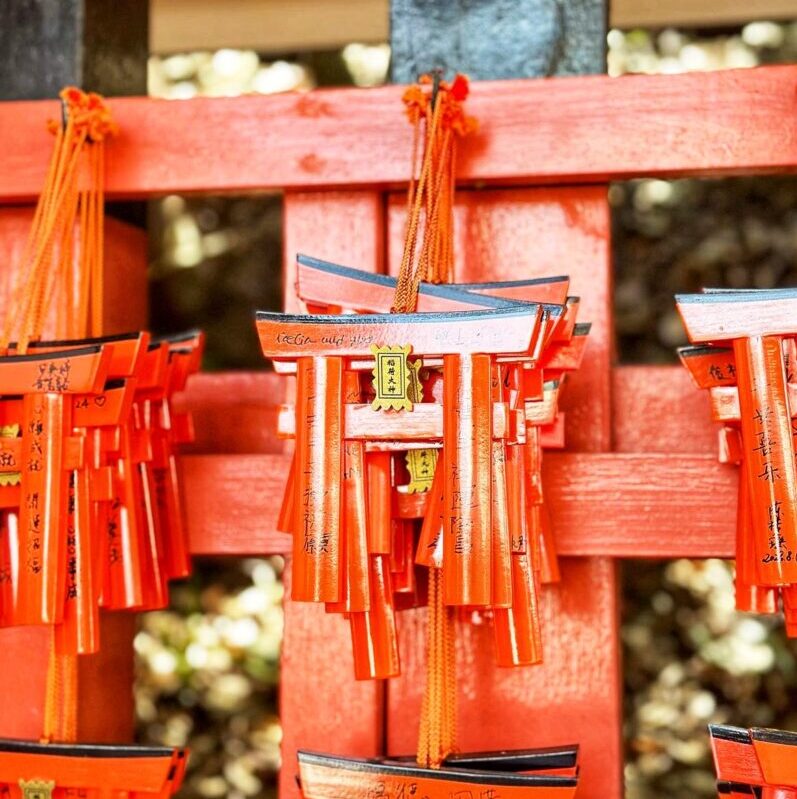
(105, 679)
(574, 696)
(321, 705)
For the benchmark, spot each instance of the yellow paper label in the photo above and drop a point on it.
(6, 459)
(37, 789)
(421, 464)
(416, 389)
(392, 378)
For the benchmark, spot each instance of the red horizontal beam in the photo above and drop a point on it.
(582, 129)
(661, 494)
(617, 505)
(232, 503)
(655, 409)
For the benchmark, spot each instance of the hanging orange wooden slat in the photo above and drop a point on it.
(79, 632)
(319, 469)
(749, 595)
(123, 589)
(380, 501)
(374, 633)
(354, 556)
(430, 545)
(516, 498)
(501, 578)
(769, 459)
(518, 634)
(467, 524)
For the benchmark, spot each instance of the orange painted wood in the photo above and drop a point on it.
(685, 507)
(585, 129)
(725, 315)
(22, 689)
(105, 712)
(425, 423)
(638, 392)
(232, 503)
(501, 330)
(358, 237)
(106, 683)
(125, 300)
(511, 234)
(559, 701)
(234, 412)
(329, 777)
(234, 499)
(658, 409)
(322, 707)
(105, 679)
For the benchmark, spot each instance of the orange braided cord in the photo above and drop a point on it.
(432, 192)
(438, 730)
(50, 272)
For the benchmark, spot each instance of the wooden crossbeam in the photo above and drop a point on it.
(662, 493)
(590, 129)
(607, 504)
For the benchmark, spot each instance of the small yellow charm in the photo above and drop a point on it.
(421, 464)
(37, 789)
(416, 389)
(392, 378)
(7, 459)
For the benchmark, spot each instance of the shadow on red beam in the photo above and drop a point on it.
(615, 505)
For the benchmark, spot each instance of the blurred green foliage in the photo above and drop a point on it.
(691, 659)
(208, 673)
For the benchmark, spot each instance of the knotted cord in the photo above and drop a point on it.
(436, 107)
(62, 261)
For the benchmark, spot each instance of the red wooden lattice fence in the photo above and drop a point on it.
(639, 477)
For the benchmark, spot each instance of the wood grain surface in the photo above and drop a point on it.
(562, 130)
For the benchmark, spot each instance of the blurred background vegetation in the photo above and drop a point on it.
(208, 667)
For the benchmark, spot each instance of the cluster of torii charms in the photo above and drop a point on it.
(370, 494)
(91, 509)
(743, 353)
